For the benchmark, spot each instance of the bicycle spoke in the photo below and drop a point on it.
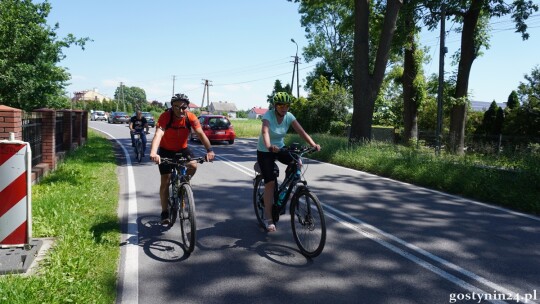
(187, 217)
(308, 224)
(258, 201)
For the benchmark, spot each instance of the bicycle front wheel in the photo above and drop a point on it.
(308, 223)
(258, 201)
(186, 213)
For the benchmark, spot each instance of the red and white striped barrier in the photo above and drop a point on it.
(15, 193)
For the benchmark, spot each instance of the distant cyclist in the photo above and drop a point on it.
(171, 137)
(275, 124)
(137, 124)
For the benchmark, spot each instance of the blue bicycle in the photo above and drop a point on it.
(181, 201)
(307, 216)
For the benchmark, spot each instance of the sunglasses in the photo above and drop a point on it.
(282, 105)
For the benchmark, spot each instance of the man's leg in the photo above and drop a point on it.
(191, 168)
(164, 197)
(143, 138)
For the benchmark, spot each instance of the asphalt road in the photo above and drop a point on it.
(387, 241)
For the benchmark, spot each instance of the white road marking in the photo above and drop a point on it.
(379, 236)
(130, 275)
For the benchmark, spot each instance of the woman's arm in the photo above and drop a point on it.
(298, 128)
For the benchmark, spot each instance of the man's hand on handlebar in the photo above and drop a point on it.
(155, 158)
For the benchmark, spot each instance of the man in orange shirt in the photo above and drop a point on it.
(172, 132)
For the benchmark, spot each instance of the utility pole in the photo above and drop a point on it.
(173, 79)
(440, 90)
(206, 92)
(295, 68)
(122, 93)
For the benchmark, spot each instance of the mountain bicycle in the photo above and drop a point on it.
(181, 202)
(138, 146)
(307, 216)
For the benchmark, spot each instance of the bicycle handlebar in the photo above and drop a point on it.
(182, 160)
(298, 149)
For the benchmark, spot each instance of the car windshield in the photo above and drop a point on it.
(120, 114)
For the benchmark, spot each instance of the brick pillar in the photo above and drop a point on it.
(85, 126)
(77, 128)
(68, 125)
(48, 137)
(10, 122)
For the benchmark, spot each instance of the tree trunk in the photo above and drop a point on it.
(411, 94)
(367, 86)
(469, 51)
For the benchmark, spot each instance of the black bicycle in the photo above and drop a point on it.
(138, 146)
(181, 202)
(307, 216)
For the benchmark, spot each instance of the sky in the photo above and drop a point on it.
(240, 46)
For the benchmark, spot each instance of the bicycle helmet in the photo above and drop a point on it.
(180, 97)
(281, 98)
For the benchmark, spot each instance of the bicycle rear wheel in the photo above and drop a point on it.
(308, 223)
(258, 201)
(186, 213)
(138, 150)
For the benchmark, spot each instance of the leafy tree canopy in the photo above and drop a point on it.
(29, 53)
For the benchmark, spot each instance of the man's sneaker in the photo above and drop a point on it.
(165, 218)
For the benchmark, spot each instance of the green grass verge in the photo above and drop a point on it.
(509, 182)
(247, 128)
(77, 206)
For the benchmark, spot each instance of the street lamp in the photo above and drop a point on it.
(295, 67)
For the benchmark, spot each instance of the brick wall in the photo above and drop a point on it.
(74, 133)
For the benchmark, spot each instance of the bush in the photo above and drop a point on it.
(338, 128)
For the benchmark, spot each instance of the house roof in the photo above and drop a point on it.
(224, 106)
(259, 110)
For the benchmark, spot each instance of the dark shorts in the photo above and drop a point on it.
(167, 168)
(267, 160)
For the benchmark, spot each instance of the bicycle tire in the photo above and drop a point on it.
(174, 199)
(258, 199)
(186, 213)
(308, 222)
(138, 150)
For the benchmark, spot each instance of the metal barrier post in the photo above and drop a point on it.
(15, 193)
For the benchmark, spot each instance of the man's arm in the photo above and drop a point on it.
(155, 145)
(206, 143)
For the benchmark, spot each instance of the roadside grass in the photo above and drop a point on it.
(512, 182)
(248, 128)
(76, 205)
(509, 181)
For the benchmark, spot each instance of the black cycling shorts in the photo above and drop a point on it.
(266, 163)
(167, 168)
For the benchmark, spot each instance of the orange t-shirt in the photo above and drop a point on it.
(176, 136)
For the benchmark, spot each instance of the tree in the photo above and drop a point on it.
(29, 53)
(414, 84)
(133, 97)
(367, 82)
(327, 103)
(278, 87)
(513, 100)
(469, 13)
(329, 29)
(525, 120)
